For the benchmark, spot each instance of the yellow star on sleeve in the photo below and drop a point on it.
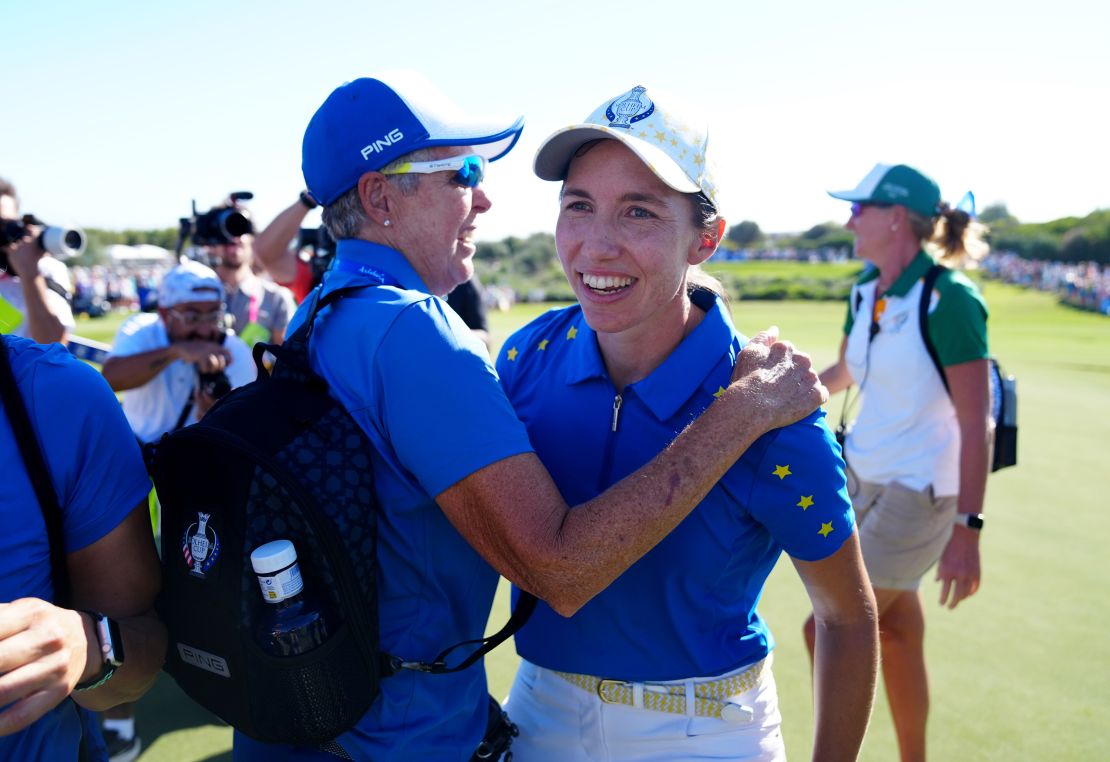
(572, 332)
(719, 392)
(512, 353)
(826, 529)
(660, 136)
(782, 472)
(805, 502)
(543, 345)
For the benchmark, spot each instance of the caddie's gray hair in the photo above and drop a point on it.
(344, 217)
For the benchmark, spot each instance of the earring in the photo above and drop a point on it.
(386, 223)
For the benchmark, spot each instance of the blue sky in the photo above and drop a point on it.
(120, 113)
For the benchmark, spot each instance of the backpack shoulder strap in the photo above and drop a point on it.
(293, 352)
(522, 612)
(923, 319)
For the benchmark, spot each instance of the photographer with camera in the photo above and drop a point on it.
(260, 309)
(34, 299)
(173, 365)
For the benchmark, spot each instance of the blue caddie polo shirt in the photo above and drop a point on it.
(422, 387)
(688, 607)
(98, 475)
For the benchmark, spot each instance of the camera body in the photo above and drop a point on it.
(217, 384)
(323, 250)
(62, 243)
(219, 225)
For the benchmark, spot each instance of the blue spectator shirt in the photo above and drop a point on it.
(688, 607)
(424, 390)
(98, 475)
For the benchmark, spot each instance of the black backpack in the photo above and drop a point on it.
(1003, 389)
(277, 459)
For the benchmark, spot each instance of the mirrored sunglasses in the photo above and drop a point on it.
(469, 170)
(859, 206)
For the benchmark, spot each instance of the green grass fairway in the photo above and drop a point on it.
(1019, 672)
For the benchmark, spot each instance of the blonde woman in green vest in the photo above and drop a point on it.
(917, 452)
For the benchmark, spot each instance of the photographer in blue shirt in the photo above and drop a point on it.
(671, 661)
(462, 495)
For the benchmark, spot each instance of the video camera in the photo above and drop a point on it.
(222, 224)
(321, 243)
(62, 243)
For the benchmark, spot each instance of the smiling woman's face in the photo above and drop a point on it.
(625, 240)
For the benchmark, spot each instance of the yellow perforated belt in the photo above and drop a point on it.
(710, 698)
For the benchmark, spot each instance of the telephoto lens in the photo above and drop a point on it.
(63, 243)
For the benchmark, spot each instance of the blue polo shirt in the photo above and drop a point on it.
(688, 607)
(98, 476)
(423, 389)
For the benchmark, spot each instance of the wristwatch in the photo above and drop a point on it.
(970, 520)
(111, 651)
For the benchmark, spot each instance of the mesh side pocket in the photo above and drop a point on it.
(310, 698)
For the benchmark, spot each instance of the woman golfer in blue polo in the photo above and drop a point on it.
(672, 661)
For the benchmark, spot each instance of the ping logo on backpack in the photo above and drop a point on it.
(1003, 387)
(276, 459)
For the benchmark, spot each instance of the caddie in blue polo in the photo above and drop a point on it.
(462, 496)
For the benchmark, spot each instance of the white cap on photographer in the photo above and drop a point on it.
(190, 281)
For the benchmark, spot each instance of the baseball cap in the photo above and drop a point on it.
(896, 184)
(367, 123)
(670, 138)
(190, 282)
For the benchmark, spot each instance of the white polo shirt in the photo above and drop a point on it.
(906, 430)
(153, 408)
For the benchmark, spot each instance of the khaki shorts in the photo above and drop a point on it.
(902, 531)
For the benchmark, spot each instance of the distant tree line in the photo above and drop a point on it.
(1069, 239)
(531, 264)
(98, 241)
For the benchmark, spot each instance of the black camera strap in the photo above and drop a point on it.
(37, 472)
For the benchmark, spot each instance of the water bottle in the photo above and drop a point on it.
(293, 623)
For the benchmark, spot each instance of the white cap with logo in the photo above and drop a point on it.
(671, 139)
(190, 281)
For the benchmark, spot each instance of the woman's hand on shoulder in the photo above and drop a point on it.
(778, 379)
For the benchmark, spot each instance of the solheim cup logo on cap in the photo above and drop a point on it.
(633, 107)
(200, 546)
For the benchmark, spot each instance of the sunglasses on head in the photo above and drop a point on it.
(469, 170)
(859, 206)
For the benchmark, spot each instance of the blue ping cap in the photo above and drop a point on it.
(897, 184)
(366, 123)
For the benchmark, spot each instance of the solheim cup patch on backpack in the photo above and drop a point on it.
(200, 546)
